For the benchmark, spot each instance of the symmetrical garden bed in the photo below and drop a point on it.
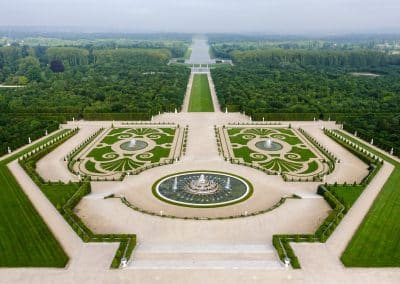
(276, 151)
(127, 150)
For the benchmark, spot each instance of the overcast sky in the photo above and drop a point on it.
(270, 16)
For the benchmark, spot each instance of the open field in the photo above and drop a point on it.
(25, 239)
(376, 242)
(200, 97)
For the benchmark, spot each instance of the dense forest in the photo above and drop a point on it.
(352, 80)
(222, 45)
(64, 82)
(359, 88)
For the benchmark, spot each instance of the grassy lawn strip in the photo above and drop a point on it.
(339, 197)
(376, 242)
(66, 196)
(25, 239)
(200, 97)
(347, 194)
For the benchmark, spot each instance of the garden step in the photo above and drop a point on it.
(309, 195)
(205, 253)
(209, 264)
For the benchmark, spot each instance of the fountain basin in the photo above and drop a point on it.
(202, 189)
(134, 145)
(269, 145)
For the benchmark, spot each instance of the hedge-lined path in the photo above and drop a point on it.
(52, 166)
(325, 258)
(350, 168)
(186, 100)
(81, 254)
(214, 98)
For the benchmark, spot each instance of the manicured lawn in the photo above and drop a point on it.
(200, 97)
(25, 239)
(58, 194)
(377, 240)
(347, 194)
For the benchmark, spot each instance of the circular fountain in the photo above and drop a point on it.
(133, 145)
(202, 189)
(269, 145)
(202, 186)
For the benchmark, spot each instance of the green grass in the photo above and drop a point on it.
(97, 154)
(58, 194)
(158, 153)
(347, 194)
(66, 196)
(305, 154)
(376, 242)
(111, 161)
(25, 239)
(292, 140)
(245, 152)
(311, 167)
(200, 97)
(283, 161)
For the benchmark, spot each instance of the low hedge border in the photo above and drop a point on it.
(331, 158)
(282, 242)
(243, 215)
(374, 162)
(70, 158)
(127, 241)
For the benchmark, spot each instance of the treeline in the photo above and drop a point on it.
(72, 56)
(25, 61)
(84, 83)
(131, 56)
(15, 130)
(385, 130)
(281, 86)
(256, 89)
(276, 57)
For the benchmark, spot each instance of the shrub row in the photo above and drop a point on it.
(372, 160)
(70, 157)
(331, 158)
(255, 123)
(219, 143)
(127, 241)
(356, 150)
(28, 162)
(184, 140)
(116, 116)
(282, 242)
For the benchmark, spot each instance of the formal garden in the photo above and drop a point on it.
(276, 150)
(204, 186)
(122, 151)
